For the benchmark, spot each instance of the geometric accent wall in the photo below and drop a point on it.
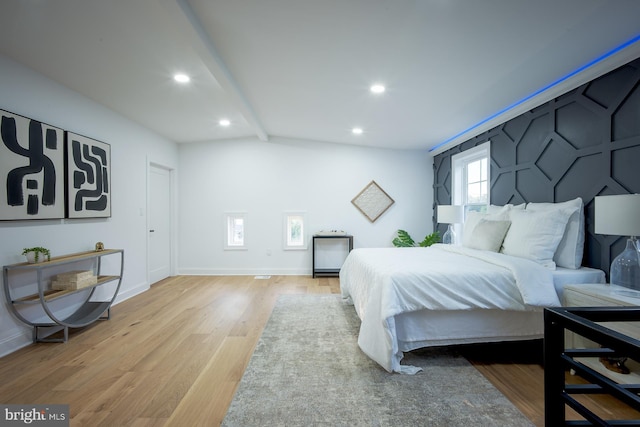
(584, 143)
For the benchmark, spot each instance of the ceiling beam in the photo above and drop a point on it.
(188, 24)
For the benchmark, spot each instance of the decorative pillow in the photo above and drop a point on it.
(494, 213)
(472, 220)
(571, 247)
(488, 235)
(536, 235)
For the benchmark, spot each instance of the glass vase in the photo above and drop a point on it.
(625, 268)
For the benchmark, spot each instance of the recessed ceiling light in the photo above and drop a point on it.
(224, 122)
(377, 88)
(356, 131)
(181, 78)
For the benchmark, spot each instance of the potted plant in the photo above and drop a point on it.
(36, 254)
(404, 240)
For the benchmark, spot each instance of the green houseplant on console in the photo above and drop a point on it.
(34, 254)
(404, 240)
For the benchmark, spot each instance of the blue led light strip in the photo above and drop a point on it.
(539, 91)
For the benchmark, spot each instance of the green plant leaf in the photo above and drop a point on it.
(430, 239)
(403, 240)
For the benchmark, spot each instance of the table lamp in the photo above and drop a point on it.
(620, 216)
(450, 214)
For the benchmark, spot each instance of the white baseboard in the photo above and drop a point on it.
(23, 337)
(15, 342)
(131, 292)
(244, 272)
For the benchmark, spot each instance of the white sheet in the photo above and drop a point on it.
(386, 282)
(569, 276)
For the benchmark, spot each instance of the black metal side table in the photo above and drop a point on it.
(327, 272)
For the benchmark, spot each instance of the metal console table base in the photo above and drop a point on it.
(327, 272)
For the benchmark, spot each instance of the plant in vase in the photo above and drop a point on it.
(36, 254)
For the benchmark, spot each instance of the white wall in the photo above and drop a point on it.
(266, 179)
(263, 179)
(27, 93)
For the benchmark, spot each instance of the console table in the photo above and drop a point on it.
(31, 298)
(328, 272)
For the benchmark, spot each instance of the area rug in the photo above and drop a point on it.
(307, 370)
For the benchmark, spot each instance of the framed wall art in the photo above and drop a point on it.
(372, 201)
(88, 177)
(31, 169)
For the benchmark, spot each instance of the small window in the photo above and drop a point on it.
(471, 180)
(235, 231)
(470, 185)
(477, 188)
(295, 236)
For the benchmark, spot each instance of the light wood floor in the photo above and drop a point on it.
(174, 356)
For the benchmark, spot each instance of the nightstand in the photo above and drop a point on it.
(599, 294)
(602, 295)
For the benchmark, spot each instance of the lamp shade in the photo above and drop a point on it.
(450, 214)
(618, 215)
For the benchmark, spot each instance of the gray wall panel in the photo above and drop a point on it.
(584, 143)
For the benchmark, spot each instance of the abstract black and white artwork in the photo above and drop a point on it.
(31, 169)
(88, 177)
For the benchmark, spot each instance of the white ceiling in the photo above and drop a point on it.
(302, 68)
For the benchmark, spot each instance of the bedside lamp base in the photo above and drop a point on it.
(625, 268)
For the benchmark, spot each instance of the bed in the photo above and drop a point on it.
(492, 287)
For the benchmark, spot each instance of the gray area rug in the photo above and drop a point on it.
(308, 370)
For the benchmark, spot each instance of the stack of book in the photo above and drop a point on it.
(74, 280)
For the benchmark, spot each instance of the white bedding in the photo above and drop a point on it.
(386, 284)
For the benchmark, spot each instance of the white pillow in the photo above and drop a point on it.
(536, 235)
(571, 247)
(495, 209)
(488, 235)
(494, 213)
(472, 220)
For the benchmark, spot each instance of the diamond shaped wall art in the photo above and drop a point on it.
(372, 201)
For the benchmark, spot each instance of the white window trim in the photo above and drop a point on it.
(458, 161)
(458, 187)
(228, 216)
(285, 231)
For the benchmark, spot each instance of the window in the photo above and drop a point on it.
(294, 230)
(235, 231)
(476, 182)
(471, 178)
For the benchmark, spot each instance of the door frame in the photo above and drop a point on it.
(172, 219)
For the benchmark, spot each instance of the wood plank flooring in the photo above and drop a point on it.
(174, 356)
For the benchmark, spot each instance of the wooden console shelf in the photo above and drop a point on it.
(52, 294)
(45, 309)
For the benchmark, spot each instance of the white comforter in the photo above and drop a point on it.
(385, 282)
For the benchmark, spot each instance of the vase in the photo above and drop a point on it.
(625, 268)
(31, 257)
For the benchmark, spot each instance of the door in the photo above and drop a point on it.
(159, 233)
